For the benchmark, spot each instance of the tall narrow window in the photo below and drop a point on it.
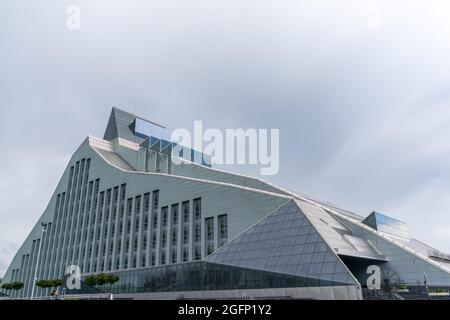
(174, 233)
(137, 214)
(197, 227)
(123, 191)
(154, 226)
(163, 232)
(146, 202)
(108, 203)
(223, 229)
(185, 228)
(155, 200)
(209, 236)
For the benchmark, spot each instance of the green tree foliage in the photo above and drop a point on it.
(49, 283)
(101, 279)
(12, 286)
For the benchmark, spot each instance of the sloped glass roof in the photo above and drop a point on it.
(386, 224)
(284, 242)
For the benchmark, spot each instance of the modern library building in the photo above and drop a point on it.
(184, 230)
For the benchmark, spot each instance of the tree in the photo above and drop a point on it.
(91, 280)
(6, 286)
(16, 285)
(113, 278)
(49, 283)
(101, 279)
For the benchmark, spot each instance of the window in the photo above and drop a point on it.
(163, 239)
(185, 229)
(185, 254)
(198, 208)
(155, 220)
(153, 262)
(164, 231)
(138, 205)
(185, 234)
(147, 202)
(144, 243)
(129, 206)
(154, 240)
(116, 195)
(155, 200)
(223, 229)
(185, 208)
(174, 233)
(174, 256)
(123, 190)
(164, 216)
(197, 226)
(108, 197)
(145, 222)
(102, 202)
(209, 237)
(136, 224)
(91, 185)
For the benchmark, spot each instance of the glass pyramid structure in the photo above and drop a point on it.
(285, 242)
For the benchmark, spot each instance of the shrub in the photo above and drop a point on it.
(101, 279)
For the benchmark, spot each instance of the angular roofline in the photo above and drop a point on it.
(274, 194)
(291, 195)
(137, 117)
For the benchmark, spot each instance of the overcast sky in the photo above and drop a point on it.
(360, 93)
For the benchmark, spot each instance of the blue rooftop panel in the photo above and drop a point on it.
(146, 129)
(386, 224)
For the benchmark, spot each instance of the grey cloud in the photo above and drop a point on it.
(362, 113)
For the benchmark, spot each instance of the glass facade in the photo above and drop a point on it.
(284, 242)
(202, 275)
(387, 224)
(144, 129)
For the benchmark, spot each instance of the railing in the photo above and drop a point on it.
(376, 294)
(100, 296)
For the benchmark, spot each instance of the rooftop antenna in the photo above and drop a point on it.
(134, 111)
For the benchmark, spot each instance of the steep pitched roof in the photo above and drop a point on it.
(120, 125)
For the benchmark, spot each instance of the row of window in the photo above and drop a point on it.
(103, 230)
